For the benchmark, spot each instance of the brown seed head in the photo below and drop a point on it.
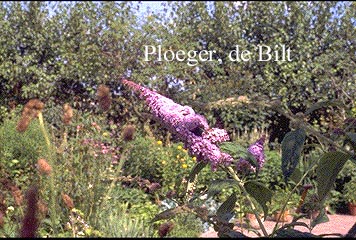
(165, 228)
(42, 207)
(128, 133)
(17, 195)
(67, 114)
(104, 98)
(67, 201)
(23, 123)
(43, 167)
(35, 104)
(31, 110)
(103, 91)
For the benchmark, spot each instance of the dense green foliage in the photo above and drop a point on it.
(59, 52)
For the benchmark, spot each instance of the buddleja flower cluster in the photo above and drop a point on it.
(257, 150)
(191, 128)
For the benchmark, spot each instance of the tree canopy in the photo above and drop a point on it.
(61, 51)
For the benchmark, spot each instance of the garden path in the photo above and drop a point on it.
(338, 224)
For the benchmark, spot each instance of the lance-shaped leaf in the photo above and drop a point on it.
(233, 149)
(225, 211)
(196, 170)
(327, 170)
(292, 146)
(193, 176)
(292, 233)
(260, 193)
(321, 218)
(168, 214)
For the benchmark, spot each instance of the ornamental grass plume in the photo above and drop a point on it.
(67, 114)
(31, 110)
(191, 128)
(104, 98)
(43, 167)
(30, 222)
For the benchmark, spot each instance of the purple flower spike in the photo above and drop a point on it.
(257, 151)
(191, 128)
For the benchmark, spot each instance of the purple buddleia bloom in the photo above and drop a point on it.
(257, 151)
(216, 135)
(243, 166)
(191, 128)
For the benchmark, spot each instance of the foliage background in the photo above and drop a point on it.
(60, 52)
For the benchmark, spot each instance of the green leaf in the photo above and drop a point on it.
(193, 176)
(260, 193)
(225, 211)
(292, 146)
(217, 185)
(292, 233)
(294, 224)
(196, 170)
(233, 149)
(327, 170)
(251, 159)
(168, 214)
(296, 175)
(321, 218)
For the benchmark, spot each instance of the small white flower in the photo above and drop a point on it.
(11, 209)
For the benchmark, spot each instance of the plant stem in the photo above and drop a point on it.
(51, 176)
(290, 195)
(244, 192)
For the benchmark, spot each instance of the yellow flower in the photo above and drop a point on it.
(106, 134)
(185, 150)
(194, 158)
(178, 156)
(159, 142)
(184, 165)
(179, 147)
(164, 162)
(182, 159)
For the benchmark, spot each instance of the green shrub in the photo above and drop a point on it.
(145, 158)
(186, 225)
(271, 173)
(167, 165)
(19, 152)
(117, 221)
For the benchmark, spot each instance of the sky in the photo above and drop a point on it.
(154, 6)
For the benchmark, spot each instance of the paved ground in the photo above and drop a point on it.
(337, 224)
